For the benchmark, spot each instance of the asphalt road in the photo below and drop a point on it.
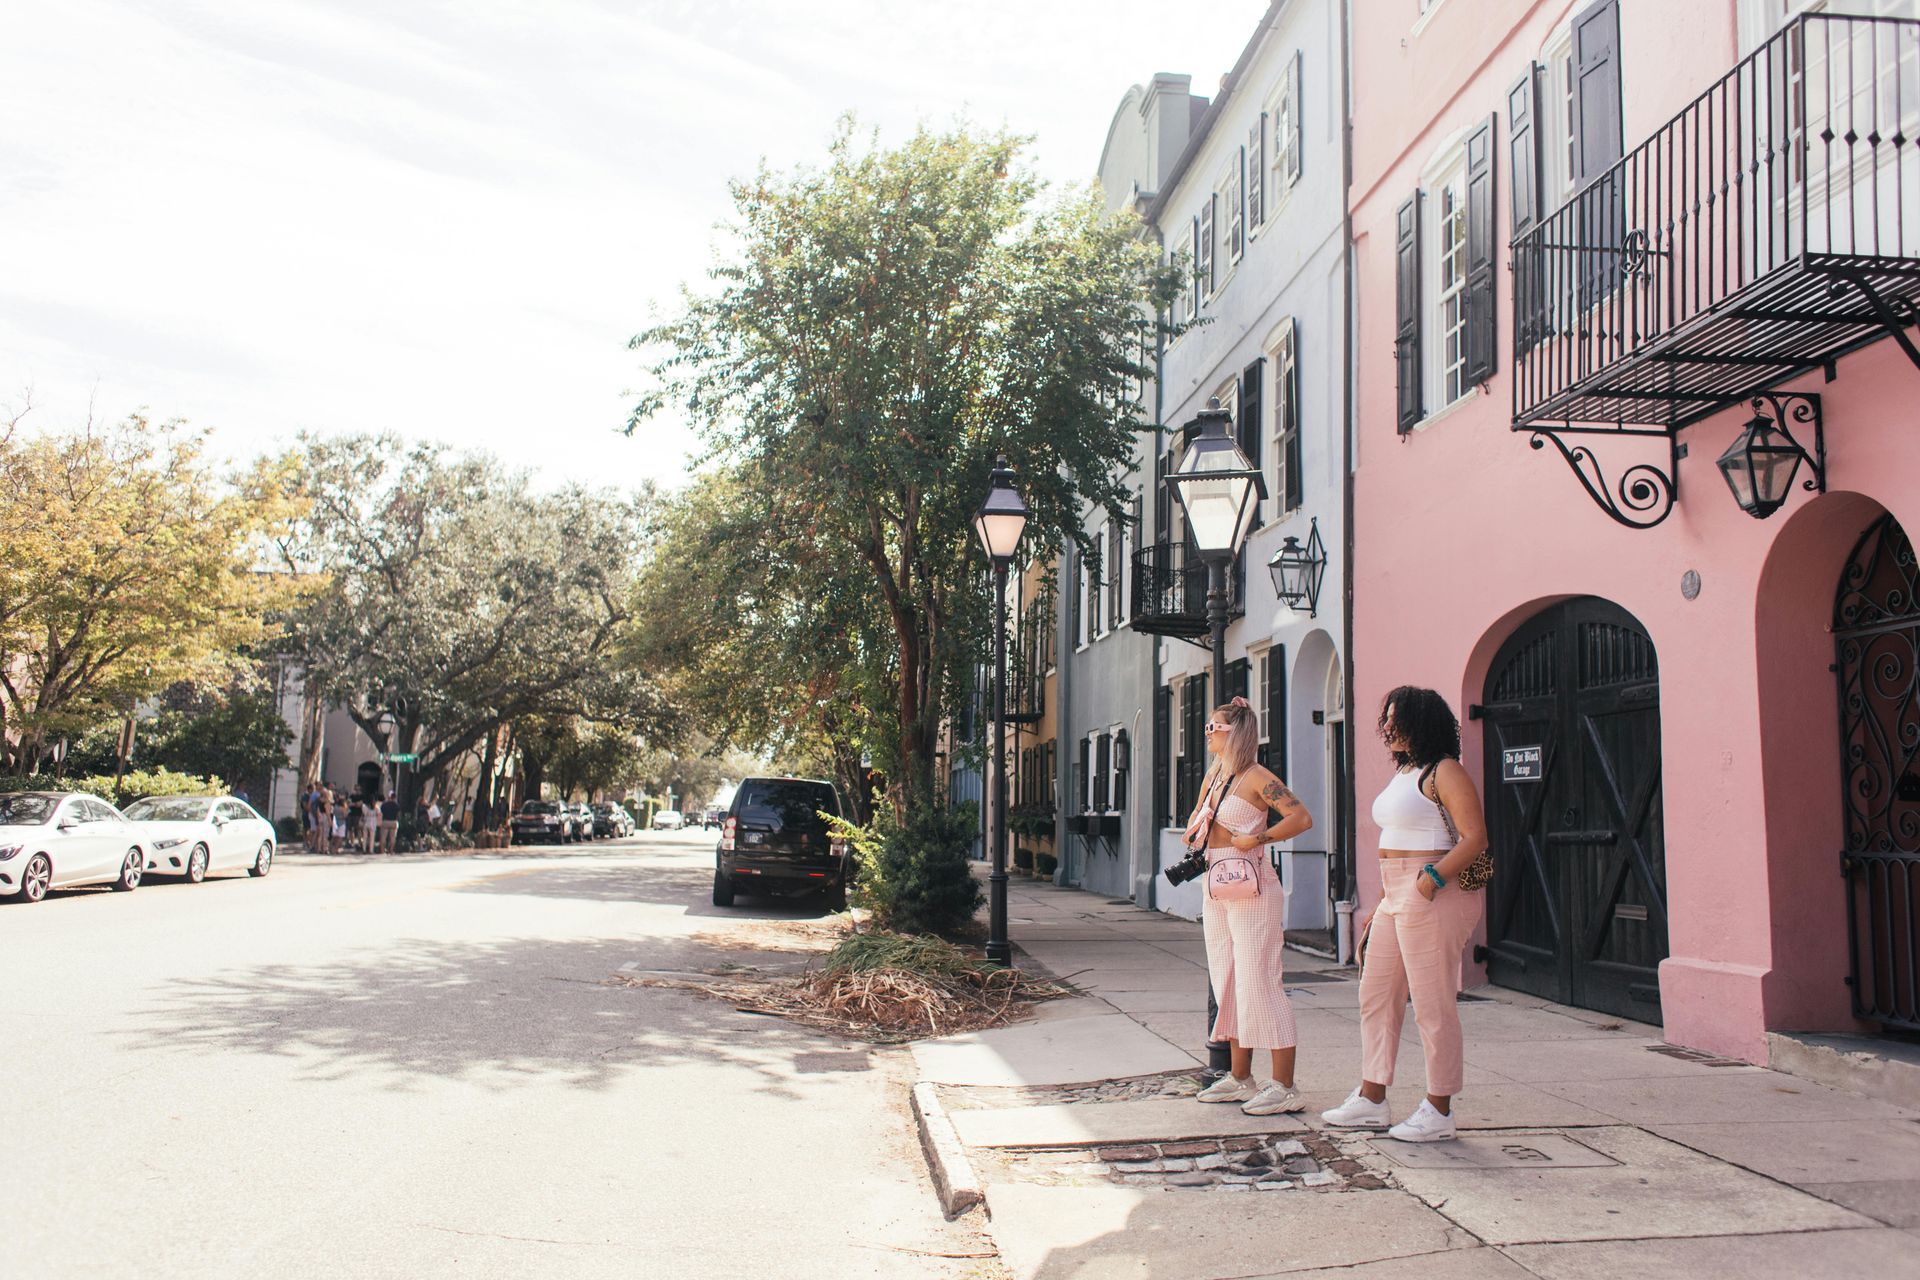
(418, 1067)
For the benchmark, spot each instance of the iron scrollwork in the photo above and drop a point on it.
(1642, 497)
(1802, 408)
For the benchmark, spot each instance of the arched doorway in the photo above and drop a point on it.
(1876, 629)
(1577, 911)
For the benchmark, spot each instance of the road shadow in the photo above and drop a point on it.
(498, 1013)
(670, 884)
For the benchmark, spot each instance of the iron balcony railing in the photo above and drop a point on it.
(1170, 591)
(1770, 226)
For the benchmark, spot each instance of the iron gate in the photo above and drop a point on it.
(1876, 628)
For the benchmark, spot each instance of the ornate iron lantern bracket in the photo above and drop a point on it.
(1644, 494)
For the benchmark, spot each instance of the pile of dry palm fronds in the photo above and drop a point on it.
(883, 987)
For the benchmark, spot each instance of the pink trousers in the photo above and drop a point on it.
(1414, 948)
(1246, 948)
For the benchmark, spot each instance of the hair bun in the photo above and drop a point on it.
(1241, 702)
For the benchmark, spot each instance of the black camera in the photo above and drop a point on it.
(1189, 867)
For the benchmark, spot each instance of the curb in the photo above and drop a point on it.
(954, 1180)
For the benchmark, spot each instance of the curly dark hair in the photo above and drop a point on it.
(1426, 721)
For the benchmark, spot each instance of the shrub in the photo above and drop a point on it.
(289, 829)
(913, 874)
(134, 785)
(1044, 864)
(1023, 857)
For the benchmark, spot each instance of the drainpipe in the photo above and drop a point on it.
(1343, 909)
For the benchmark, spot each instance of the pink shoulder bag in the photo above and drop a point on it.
(1232, 876)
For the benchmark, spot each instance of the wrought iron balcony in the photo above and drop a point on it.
(1170, 592)
(1769, 228)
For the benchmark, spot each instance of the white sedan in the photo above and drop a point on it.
(668, 820)
(58, 839)
(193, 836)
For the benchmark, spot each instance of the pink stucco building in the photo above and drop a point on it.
(1595, 243)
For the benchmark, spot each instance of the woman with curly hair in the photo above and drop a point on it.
(1245, 934)
(1431, 829)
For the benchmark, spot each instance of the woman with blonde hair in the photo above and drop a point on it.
(1244, 911)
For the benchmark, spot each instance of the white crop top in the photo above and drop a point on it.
(1407, 819)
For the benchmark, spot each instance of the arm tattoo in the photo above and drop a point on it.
(1278, 797)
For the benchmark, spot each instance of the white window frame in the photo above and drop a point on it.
(1078, 602)
(1449, 178)
(1257, 161)
(1556, 124)
(1094, 589)
(1257, 690)
(1282, 109)
(1206, 234)
(1232, 190)
(1282, 350)
(1176, 751)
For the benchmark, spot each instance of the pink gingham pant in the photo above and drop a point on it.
(1414, 949)
(1245, 944)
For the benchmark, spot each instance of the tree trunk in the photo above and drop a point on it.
(313, 724)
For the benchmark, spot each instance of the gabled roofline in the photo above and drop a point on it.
(1198, 138)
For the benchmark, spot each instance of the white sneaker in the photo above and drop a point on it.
(1357, 1113)
(1273, 1100)
(1424, 1125)
(1228, 1089)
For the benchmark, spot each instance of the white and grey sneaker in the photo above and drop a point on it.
(1357, 1113)
(1228, 1088)
(1273, 1100)
(1424, 1125)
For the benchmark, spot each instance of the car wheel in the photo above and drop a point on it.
(197, 864)
(37, 878)
(722, 888)
(129, 872)
(262, 861)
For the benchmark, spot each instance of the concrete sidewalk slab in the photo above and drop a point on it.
(1148, 1120)
(1049, 1052)
(1471, 1263)
(1559, 1061)
(1862, 1252)
(1657, 1189)
(1829, 1151)
(1895, 1202)
(1092, 1233)
(1720, 1095)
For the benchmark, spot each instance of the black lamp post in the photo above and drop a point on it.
(1760, 465)
(1297, 571)
(1219, 490)
(1000, 521)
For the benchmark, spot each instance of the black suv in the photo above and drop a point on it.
(540, 820)
(773, 840)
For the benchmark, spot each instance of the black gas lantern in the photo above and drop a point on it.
(1761, 463)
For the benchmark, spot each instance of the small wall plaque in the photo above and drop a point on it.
(1520, 764)
(1690, 585)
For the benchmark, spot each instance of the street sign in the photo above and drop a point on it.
(1520, 764)
(399, 757)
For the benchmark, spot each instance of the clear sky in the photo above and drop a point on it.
(447, 218)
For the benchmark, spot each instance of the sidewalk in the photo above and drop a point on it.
(1588, 1147)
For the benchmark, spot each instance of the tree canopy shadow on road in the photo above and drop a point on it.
(503, 1014)
(670, 885)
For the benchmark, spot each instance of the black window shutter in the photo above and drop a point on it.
(1597, 144)
(1289, 405)
(1480, 237)
(1275, 696)
(1162, 500)
(1406, 329)
(1294, 158)
(1073, 585)
(1236, 680)
(1523, 207)
(1162, 752)
(1253, 421)
(1081, 776)
(1102, 772)
(1116, 572)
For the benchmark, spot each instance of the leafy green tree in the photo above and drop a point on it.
(131, 564)
(882, 328)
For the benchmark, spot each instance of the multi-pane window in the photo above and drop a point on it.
(1231, 188)
(1203, 254)
(1102, 770)
(1286, 129)
(1116, 572)
(1286, 420)
(1256, 161)
(1077, 596)
(1096, 575)
(1450, 294)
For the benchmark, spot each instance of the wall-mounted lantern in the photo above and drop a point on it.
(1297, 571)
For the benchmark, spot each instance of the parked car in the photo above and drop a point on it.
(580, 822)
(713, 817)
(194, 836)
(539, 821)
(58, 839)
(668, 820)
(774, 840)
(612, 821)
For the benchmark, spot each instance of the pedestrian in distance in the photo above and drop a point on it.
(323, 819)
(1433, 861)
(339, 823)
(389, 823)
(1244, 910)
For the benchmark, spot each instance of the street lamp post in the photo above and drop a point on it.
(1219, 491)
(1000, 522)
